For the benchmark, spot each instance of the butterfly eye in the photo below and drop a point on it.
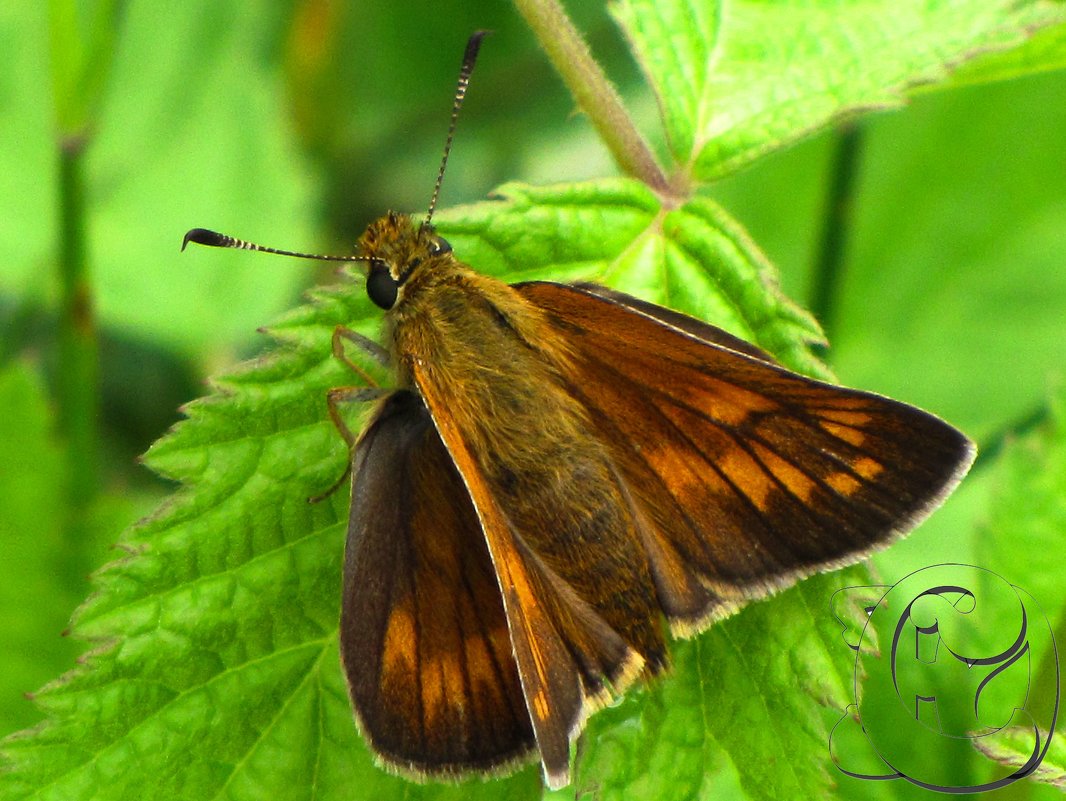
(439, 246)
(381, 287)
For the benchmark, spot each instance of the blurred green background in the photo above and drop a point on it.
(296, 123)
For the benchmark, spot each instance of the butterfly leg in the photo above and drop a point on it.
(338, 395)
(334, 398)
(368, 346)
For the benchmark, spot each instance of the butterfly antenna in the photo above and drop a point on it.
(213, 239)
(469, 57)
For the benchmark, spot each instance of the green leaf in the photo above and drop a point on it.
(1044, 52)
(217, 672)
(216, 661)
(744, 698)
(27, 149)
(1010, 745)
(735, 82)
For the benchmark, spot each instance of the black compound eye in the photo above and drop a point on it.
(381, 287)
(439, 246)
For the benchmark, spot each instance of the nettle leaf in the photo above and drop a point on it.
(739, 80)
(215, 670)
(742, 708)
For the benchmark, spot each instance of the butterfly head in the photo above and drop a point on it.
(395, 249)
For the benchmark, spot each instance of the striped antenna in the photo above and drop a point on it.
(469, 57)
(213, 239)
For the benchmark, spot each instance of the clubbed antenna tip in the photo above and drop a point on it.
(202, 236)
(213, 239)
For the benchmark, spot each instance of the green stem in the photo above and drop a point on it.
(78, 367)
(837, 213)
(594, 93)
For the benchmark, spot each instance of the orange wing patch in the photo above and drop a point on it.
(399, 634)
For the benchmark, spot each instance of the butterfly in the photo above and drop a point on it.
(556, 470)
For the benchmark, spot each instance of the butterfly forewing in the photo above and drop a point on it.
(674, 319)
(750, 475)
(424, 638)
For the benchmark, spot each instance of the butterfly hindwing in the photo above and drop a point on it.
(751, 476)
(424, 638)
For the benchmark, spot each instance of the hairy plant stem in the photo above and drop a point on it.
(594, 93)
